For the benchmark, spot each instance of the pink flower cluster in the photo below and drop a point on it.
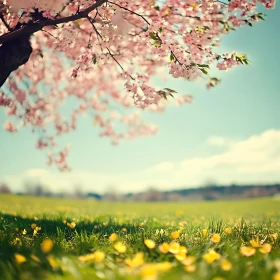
(102, 64)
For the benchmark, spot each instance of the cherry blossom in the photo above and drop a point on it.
(102, 56)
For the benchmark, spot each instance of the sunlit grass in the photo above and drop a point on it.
(83, 239)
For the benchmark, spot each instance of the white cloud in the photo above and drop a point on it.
(218, 141)
(162, 167)
(252, 160)
(36, 172)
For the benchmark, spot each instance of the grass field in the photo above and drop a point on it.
(43, 238)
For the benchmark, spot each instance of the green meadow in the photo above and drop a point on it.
(48, 238)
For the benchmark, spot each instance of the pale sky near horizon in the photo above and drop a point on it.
(230, 134)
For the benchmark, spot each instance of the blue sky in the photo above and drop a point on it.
(230, 134)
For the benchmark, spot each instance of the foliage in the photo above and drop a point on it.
(64, 239)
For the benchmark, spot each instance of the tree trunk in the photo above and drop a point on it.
(13, 54)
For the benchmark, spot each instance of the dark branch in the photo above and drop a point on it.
(4, 21)
(35, 27)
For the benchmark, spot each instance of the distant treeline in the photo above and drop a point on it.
(211, 192)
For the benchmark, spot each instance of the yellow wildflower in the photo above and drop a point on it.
(228, 230)
(266, 248)
(71, 225)
(86, 258)
(216, 238)
(35, 232)
(190, 268)
(276, 276)
(175, 235)
(150, 243)
(47, 246)
(211, 256)
(255, 242)
(149, 271)
(20, 258)
(99, 256)
(204, 232)
(24, 232)
(226, 265)
(180, 256)
(35, 258)
(164, 247)
(174, 247)
(183, 249)
(113, 237)
(136, 261)
(189, 260)
(64, 222)
(247, 251)
(33, 226)
(120, 247)
(179, 212)
(124, 230)
(52, 261)
(163, 266)
(274, 236)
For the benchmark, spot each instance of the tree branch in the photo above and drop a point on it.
(35, 27)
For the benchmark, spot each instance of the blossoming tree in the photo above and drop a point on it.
(104, 53)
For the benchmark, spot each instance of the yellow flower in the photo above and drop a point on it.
(24, 232)
(174, 247)
(20, 258)
(113, 237)
(204, 232)
(228, 230)
(71, 225)
(183, 249)
(226, 265)
(33, 226)
(124, 230)
(190, 268)
(149, 271)
(255, 242)
(216, 238)
(120, 247)
(175, 235)
(180, 256)
(35, 258)
(276, 276)
(86, 258)
(274, 236)
(150, 243)
(99, 256)
(64, 222)
(164, 247)
(247, 251)
(163, 266)
(47, 246)
(35, 232)
(211, 256)
(266, 248)
(189, 260)
(179, 212)
(136, 261)
(52, 261)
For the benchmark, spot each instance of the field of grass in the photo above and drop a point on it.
(47, 238)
